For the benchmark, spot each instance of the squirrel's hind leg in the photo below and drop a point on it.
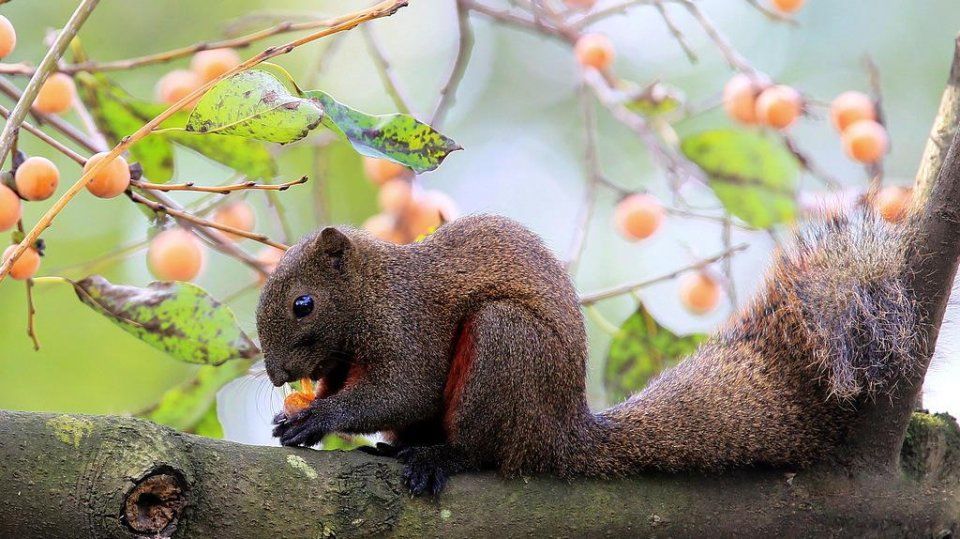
(519, 396)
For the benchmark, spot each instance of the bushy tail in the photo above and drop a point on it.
(843, 284)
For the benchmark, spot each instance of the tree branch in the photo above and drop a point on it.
(47, 66)
(115, 477)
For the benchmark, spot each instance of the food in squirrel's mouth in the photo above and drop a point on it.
(299, 400)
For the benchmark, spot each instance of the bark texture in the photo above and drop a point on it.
(114, 477)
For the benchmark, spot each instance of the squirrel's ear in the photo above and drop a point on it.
(332, 242)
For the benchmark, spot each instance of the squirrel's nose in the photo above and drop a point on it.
(277, 374)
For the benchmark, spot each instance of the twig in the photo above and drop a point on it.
(31, 316)
(513, 19)
(675, 31)
(47, 66)
(727, 238)
(182, 52)
(602, 13)
(218, 240)
(385, 71)
(875, 170)
(286, 231)
(383, 9)
(47, 139)
(733, 58)
(808, 164)
(448, 93)
(670, 161)
(591, 164)
(184, 216)
(626, 288)
(220, 189)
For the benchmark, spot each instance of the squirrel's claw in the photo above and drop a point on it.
(423, 474)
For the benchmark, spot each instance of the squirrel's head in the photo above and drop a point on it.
(307, 308)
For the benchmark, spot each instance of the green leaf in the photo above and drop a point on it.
(118, 114)
(110, 110)
(179, 318)
(642, 350)
(255, 104)
(754, 177)
(186, 406)
(653, 100)
(397, 137)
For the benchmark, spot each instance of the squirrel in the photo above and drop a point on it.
(470, 349)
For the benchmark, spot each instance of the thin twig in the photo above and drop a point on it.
(183, 52)
(220, 189)
(599, 14)
(730, 54)
(875, 170)
(808, 164)
(184, 216)
(385, 71)
(675, 31)
(286, 231)
(594, 174)
(47, 66)
(727, 238)
(47, 139)
(218, 240)
(383, 9)
(448, 93)
(520, 21)
(626, 288)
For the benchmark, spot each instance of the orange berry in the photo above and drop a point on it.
(8, 37)
(37, 178)
(851, 107)
(638, 216)
(175, 255)
(10, 208)
(383, 226)
(699, 292)
(395, 195)
(296, 402)
(111, 180)
(779, 106)
(26, 266)
(237, 215)
(444, 204)
(580, 4)
(740, 98)
(594, 50)
(892, 202)
(381, 170)
(176, 85)
(270, 257)
(56, 95)
(788, 6)
(865, 141)
(210, 64)
(423, 215)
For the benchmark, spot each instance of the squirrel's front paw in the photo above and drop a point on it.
(303, 429)
(425, 471)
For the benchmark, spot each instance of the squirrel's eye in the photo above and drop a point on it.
(302, 306)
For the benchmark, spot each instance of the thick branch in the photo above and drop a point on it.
(104, 477)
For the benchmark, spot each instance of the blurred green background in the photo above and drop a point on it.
(516, 115)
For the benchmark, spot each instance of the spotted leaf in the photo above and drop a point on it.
(397, 137)
(640, 351)
(256, 104)
(178, 318)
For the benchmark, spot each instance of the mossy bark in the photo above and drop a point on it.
(105, 477)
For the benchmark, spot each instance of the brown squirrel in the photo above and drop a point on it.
(470, 348)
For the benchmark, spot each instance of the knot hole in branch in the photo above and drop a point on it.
(154, 505)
